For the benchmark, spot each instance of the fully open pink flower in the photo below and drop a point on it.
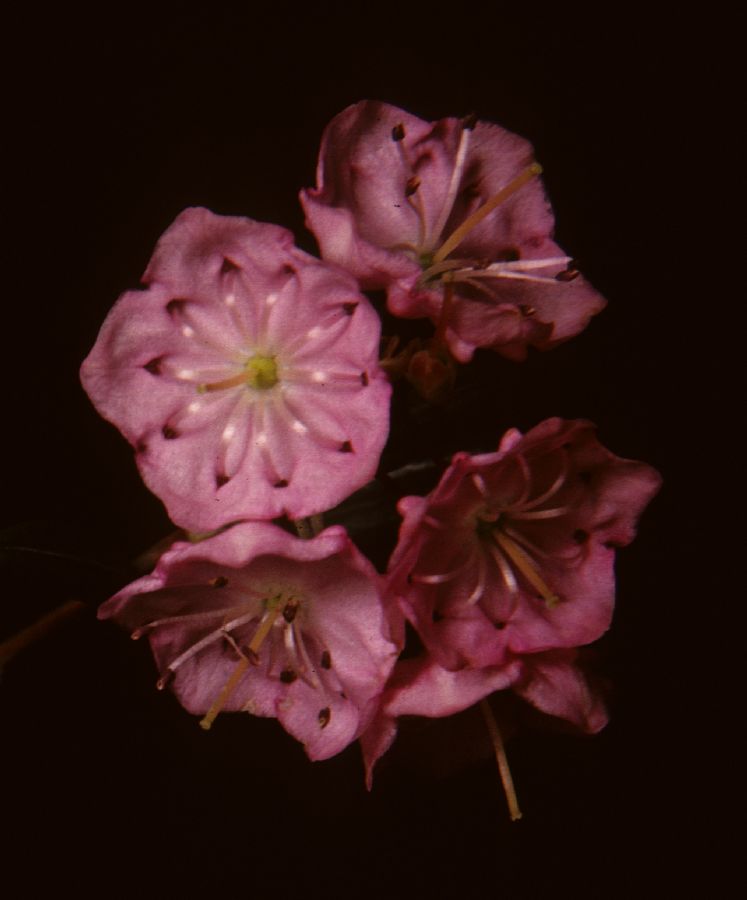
(450, 218)
(550, 681)
(513, 551)
(246, 375)
(257, 620)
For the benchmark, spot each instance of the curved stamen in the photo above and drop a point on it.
(183, 620)
(205, 642)
(473, 276)
(454, 182)
(505, 569)
(521, 265)
(459, 234)
(554, 487)
(541, 513)
(479, 588)
(225, 384)
(446, 576)
(525, 565)
(265, 625)
(479, 483)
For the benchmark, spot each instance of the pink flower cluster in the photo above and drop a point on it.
(246, 375)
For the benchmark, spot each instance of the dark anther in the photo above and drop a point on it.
(174, 306)
(154, 366)
(282, 483)
(398, 132)
(326, 660)
(227, 266)
(569, 273)
(220, 480)
(346, 447)
(413, 183)
(164, 679)
(469, 122)
(289, 611)
(141, 447)
(349, 308)
(219, 582)
(324, 716)
(585, 477)
(580, 536)
(499, 625)
(527, 311)
(288, 676)
(169, 433)
(288, 269)
(364, 379)
(436, 616)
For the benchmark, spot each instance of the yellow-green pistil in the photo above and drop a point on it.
(259, 372)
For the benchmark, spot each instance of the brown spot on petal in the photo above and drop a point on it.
(169, 433)
(281, 484)
(326, 660)
(289, 610)
(288, 676)
(346, 447)
(499, 625)
(154, 366)
(510, 254)
(413, 183)
(398, 132)
(164, 679)
(227, 266)
(364, 379)
(288, 269)
(174, 307)
(569, 273)
(220, 480)
(580, 536)
(220, 582)
(350, 308)
(141, 447)
(324, 716)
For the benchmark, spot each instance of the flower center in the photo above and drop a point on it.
(261, 372)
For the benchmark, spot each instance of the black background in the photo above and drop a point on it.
(115, 125)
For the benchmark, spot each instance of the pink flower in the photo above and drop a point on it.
(245, 375)
(513, 551)
(257, 620)
(420, 687)
(452, 220)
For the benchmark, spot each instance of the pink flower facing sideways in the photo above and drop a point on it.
(257, 620)
(513, 551)
(246, 375)
(450, 218)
